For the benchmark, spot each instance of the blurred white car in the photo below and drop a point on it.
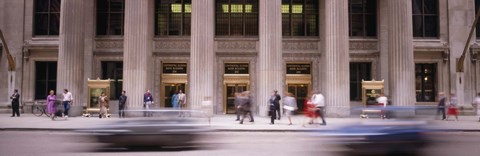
(164, 128)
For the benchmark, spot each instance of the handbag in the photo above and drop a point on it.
(290, 108)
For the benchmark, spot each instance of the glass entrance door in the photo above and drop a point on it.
(169, 89)
(231, 89)
(300, 92)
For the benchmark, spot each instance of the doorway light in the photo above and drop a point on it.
(177, 8)
(237, 8)
(296, 8)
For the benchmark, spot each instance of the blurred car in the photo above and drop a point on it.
(386, 137)
(163, 128)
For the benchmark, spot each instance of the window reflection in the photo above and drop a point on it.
(300, 17)
(47, 17)
(425, 82)
(236, 18)
(362, 18)
(172, 17)
(425, 18)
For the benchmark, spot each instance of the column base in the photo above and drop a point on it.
(338, 112)
(75, 111)
(129, 114)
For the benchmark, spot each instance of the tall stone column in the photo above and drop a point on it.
(137, 51)
(400, 58)
(202, 55)
(270, 61)
(335, 58)
(71, 53)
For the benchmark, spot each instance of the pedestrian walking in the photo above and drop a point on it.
(276, 102)
(121, 104)
(441, 105)
(319, 102)
(103, 103)
(147, 103)
(382, 101)
(452, 107)
(290, 105)
(236, 102)
(174, 100)
(476, 103)
(245, 104)
(51, 108)
(15, 103)
(272, 109)
(309, 110)
(182, 103)
(67, 102)
(207, 108)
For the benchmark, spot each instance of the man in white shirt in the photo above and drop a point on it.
(319, 101)
(476, 101)
(382, 100)
(67, 101)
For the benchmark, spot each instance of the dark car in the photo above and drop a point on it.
(163, 129)
(388, 137)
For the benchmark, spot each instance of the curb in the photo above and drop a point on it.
(226, 130)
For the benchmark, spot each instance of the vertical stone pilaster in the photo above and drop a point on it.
(202, 55)
(335, 58)
(137, 51)
(71, 53)
(383, 42)
(400, 57)
(462, 15)
(270, 60)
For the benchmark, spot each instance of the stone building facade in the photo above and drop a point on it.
(213, 48)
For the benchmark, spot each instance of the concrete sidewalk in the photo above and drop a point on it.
(222, 123)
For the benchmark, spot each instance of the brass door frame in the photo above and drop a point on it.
(225, 93)
(299, 79)
(168, 79)
(239, 79)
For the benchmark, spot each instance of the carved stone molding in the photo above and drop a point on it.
(243, 45)
(172, 45)
(364, 45)
(300, 45)
(315, 69)
(109, 44)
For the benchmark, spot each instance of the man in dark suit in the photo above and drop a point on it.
(15, 103)
(276, 102)
(121, 105)
(441, 105)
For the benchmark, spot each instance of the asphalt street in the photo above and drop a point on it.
(47, 143)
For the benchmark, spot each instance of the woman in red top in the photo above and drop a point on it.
(309, 111)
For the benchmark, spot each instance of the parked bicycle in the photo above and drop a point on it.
(39, 110)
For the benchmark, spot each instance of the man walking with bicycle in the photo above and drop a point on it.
(67, 101)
